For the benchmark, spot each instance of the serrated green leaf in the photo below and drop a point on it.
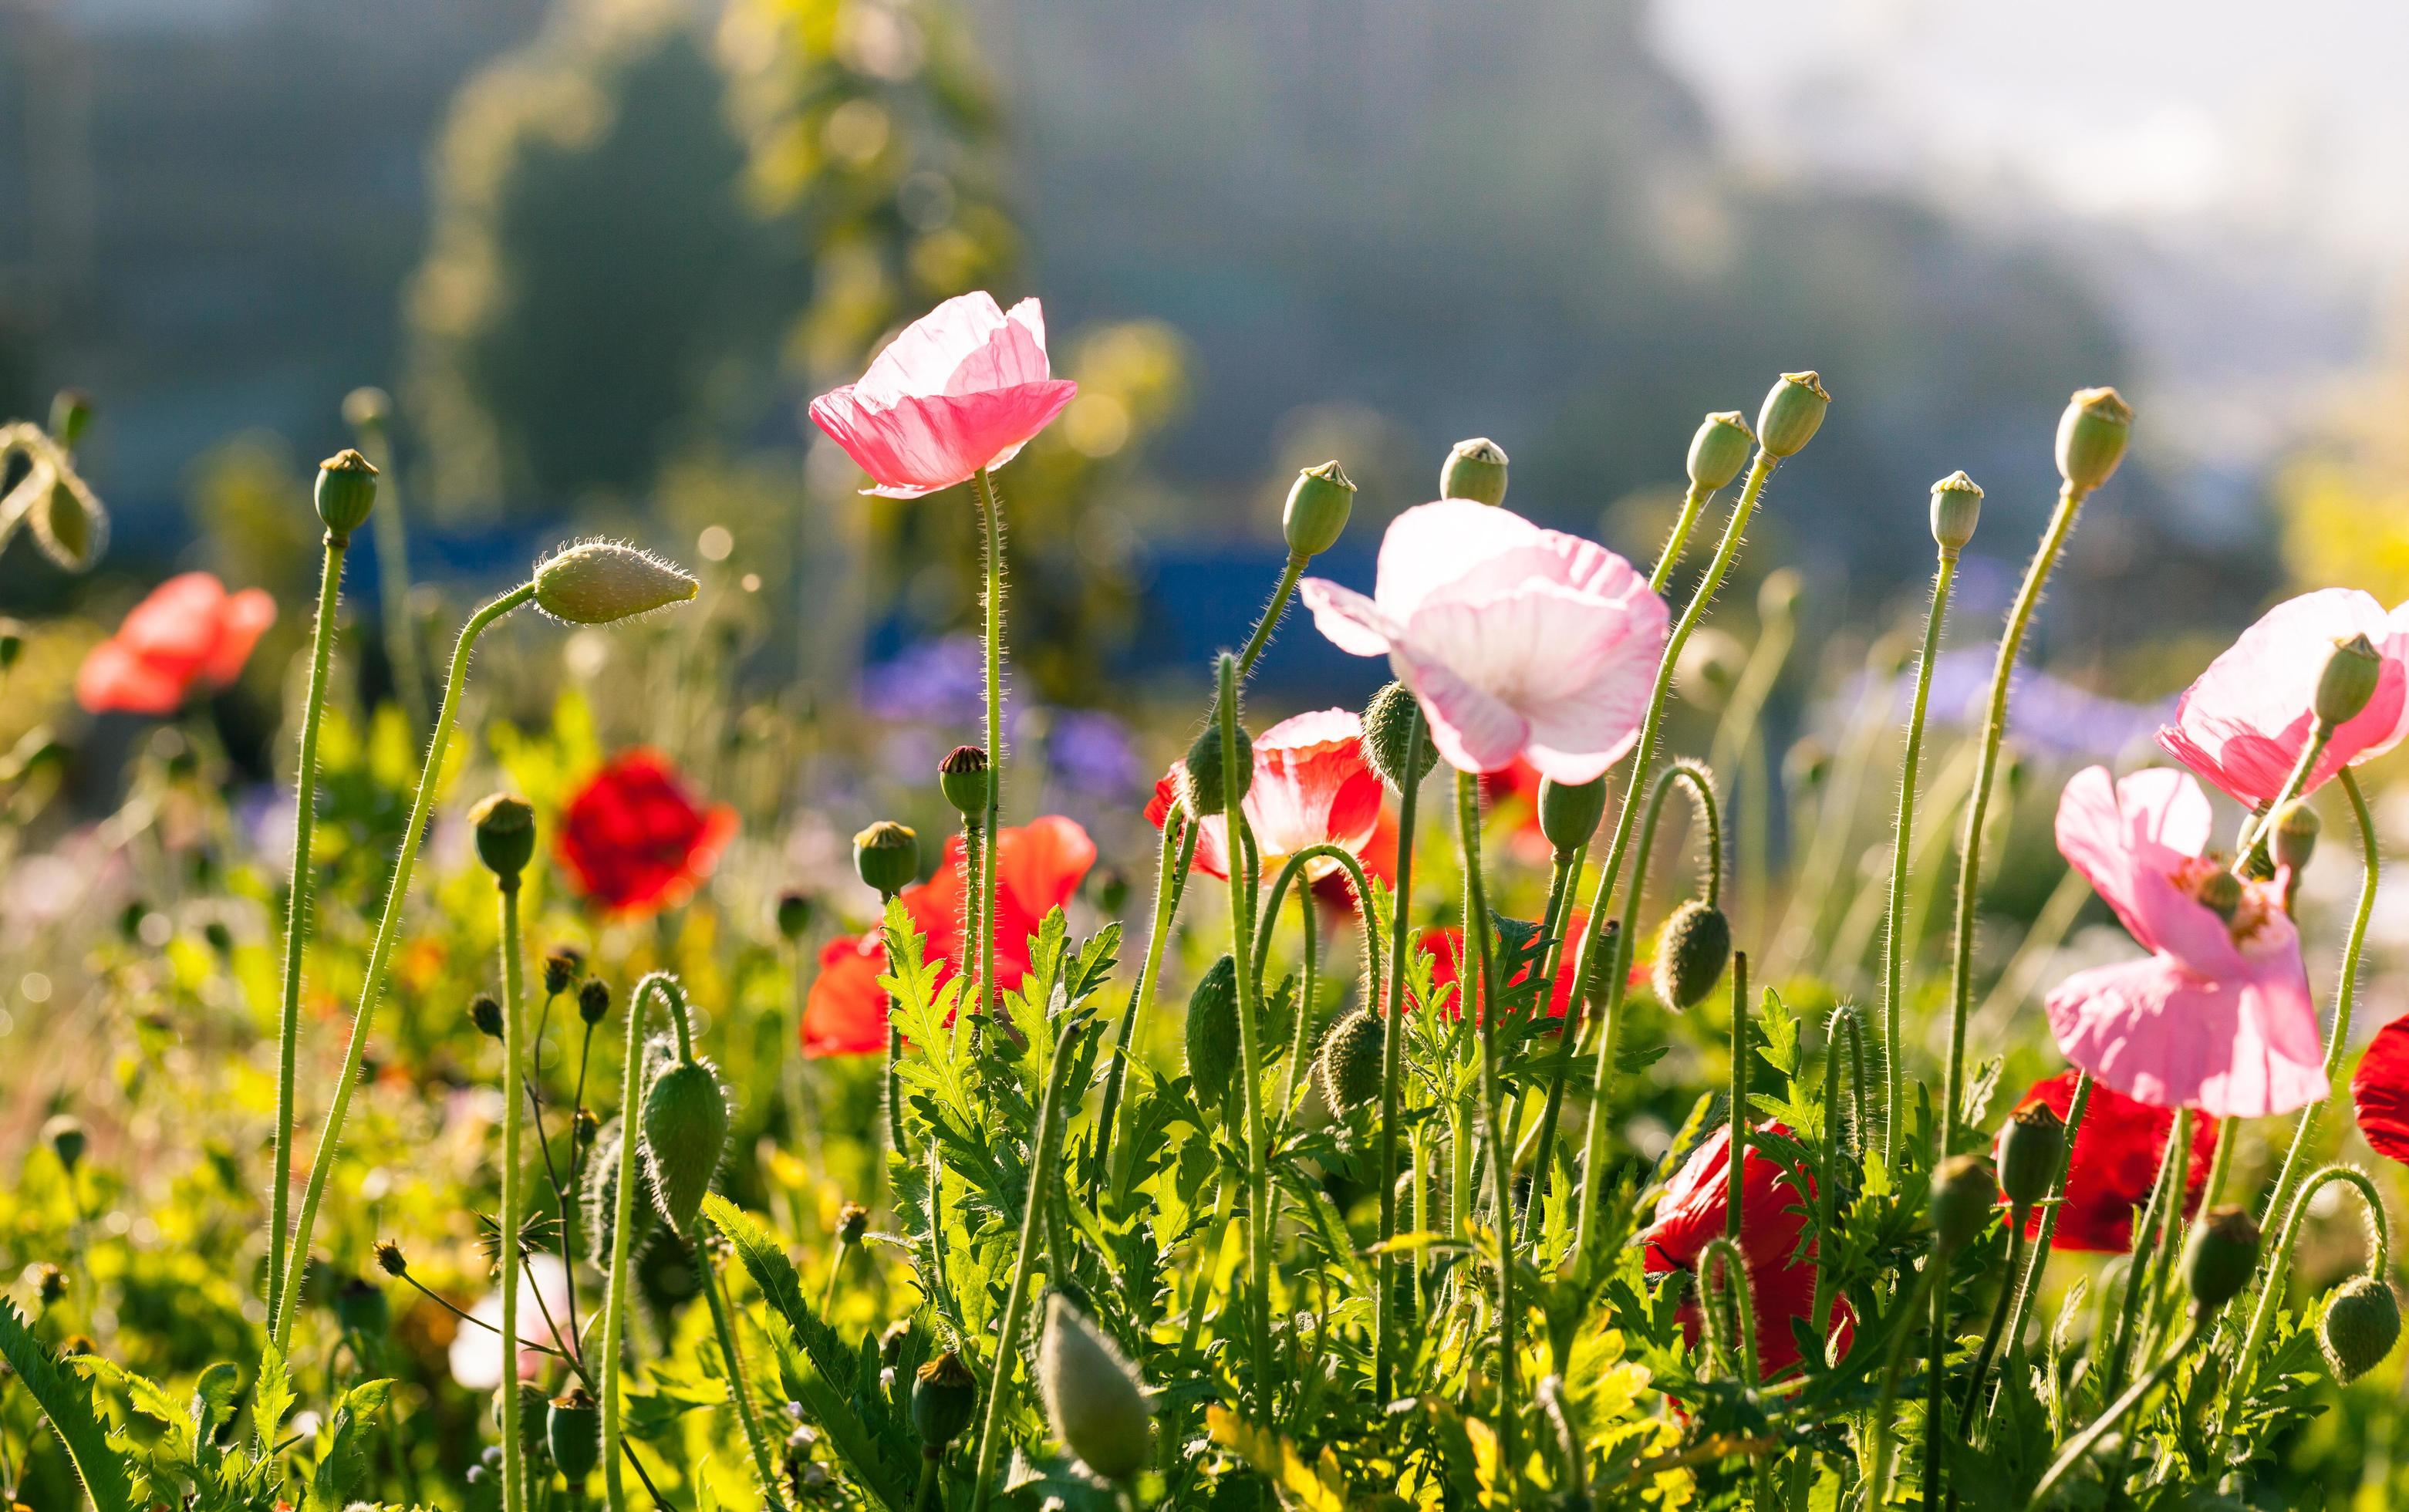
(69, 1407)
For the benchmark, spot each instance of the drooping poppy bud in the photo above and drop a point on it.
(1569, 811)
(685, 1131)
(2091, 437)
(963, 777)
(1397, 746)
(1960, 1201)
(347, 489)
(596, 581)
(1692, 950)
(2220, 1258)
(1957, 510)
(505, 825)
(1213, 1031)
(887, 858)
(1315, 516)
(2030, 1148)
(560, 968)
(1720, 449)
(2361, 1324)
(1094, 1398)
(593, 1000)
(390, 1258)
(1351, 1060)
(1474, 470)
(945, 1398)
(795, 910)
(573, 1431)
(486, 1012)
(2348, 681)
(1201, 785)
(1792, 414)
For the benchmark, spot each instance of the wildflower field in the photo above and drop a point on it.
(1458, 1102)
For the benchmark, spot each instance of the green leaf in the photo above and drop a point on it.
(69, 1407)
(344, 1463)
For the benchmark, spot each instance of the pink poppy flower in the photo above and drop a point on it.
(1312, 787)
(2218, 1017)
(2379, 1091)
(963, 388)
(2244, 724)
(477, 1353)
(188, 634)
(1518, 641)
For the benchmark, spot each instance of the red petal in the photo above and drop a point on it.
(2380, 1087)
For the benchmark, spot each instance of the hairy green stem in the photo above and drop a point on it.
(1384, 1306)
(1886, 1404)
(1467, 816)
(991, 522)
(1271, 617)
(1902, 836)
(2028, 1286)
(1734, 1187)
(2163, 1213)
(1170, 880)
(1563, 872)
(507, 1221)
(739, 1392)
(615, 1299)
(1260, 1223)
(1828, 1191)
(1734, 1292)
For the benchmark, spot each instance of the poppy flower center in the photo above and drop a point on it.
(2244, 906)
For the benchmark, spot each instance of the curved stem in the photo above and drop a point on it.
(615, 1299)
(507, 1221)
(1902, 834)
(296, 915)
(739, 1392)
(1286, 877)
(1467, 816)
(1392, 1061)
(1736, 1292)
(1668, 559)
(2080, 1446)
(381, 956)
(991, 519)
(1300, 1029)
(1259, 1200)
(390, 524)
(1271, 617)
(1170, 881)
(1827, 1192)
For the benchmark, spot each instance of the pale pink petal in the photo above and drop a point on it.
(244, 618)
(1347, 619)
(2166, 808)
(1577, 737)
(2125, 855)
(1432, 546)
(1011, 356)
(921, 359)
(918, 445)
(2245, 1049)
(1473, 730)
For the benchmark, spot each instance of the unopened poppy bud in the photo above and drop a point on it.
(1319, 503)
(593, 1000)
(1692, 950)
(1201, 788)
(1475, 470)
(347, 487)
(49, 1282)
(2348, 681)
(1112, 890)
(573, 1430)
(2361, 1324)
(1569, 811)
(560, 968)
(852, 1222)
(945, 1398)
(1957, 510)
(1396, 742)
(1720, 449)
(2030, 1148)
(597, 582)
(1094, 1398)
(367, 409)
(70, 417)
(1213, 1031)
(887, 858)
(2296, 834)
(64, 1134)
(2220, 1258)
(794, 915)
(1793, 411)
(390, 1259)
(1960, 1201)
(963, 777)
(2091, 437)
(505, 836)
(685, 1130)
(1351, 1060)
(486, 1012)
(2220, 893)
(582, 1127)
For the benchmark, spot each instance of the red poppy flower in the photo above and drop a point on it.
(1311, 787)
(1773, 1219)
(635, 840)
(2380, 1088)
(1445, 947)
(190, 633)
(2116, 1156)
(1037, 870)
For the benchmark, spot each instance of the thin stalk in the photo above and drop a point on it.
(1736, 1293)
(1562, 871)
(2163, 1213)
(297, 914)
(507, 1222)
(1170, 880)
(1259, 1200)
(739, 1392)
(1271, 615)
(1999, 1310)
(1467, 816)
(1392, 1061)
(1886, 1405)
(1300, 1031)
(2029, 1285)
(615, 1300)
(1828, 1191)
(991, 522)
(2079, 1447)
(1902, 835)
(1735, 1188)
(391, 524)
(379, 961)
(1694, 500)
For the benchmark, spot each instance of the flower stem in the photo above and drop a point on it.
(1999, 1310)
(1170, 881)
(1392, 1037)
(390, 524)
(381, 956)
(739, 1392)
(507, 1221)
(615, 1300)
(1563, 871)
(1886, 1407)
(1734, 1187)
(1259, 1200)
(2163, 1213)
(1735, 1291)
(2080, 1446)
(1669, 557)
(1467, 816)
(1902, 835)
(1300, 1033)
(991, 520)
(1271, 617)
(1827, 1192)
(296, 915)
(2028, 1286)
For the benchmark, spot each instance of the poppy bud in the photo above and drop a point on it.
(583, 1125)
(505, 836)
(945, 1398)
(1112, 890)
(685, 1130)
(887, 858)
(486, 1013)
(1351, 1060)
(2361, 1324)
(1792, 412)
(1200, 789)
(1720, 449)
(2030, 1148)
(2296, 834)
(1960, 1201)
(1475, 470)
(49, 1282)
(593, 1000)
(68, 523)
(367, 409)
(573, 1431)
(1388, 725)
(390, 1259)
(1956, 509)
(12, 642)
(1213, 1031)
(347, 487)
(2220, 1258)
(596, 581)
(560, 968)
(963, 777)
(1319, 503)
(852, 1222)
(794, 915)
(2348, 681)
(2091, 437)
(1094, 1399)
(70, 416)
(1569, 811)
(1692, 950)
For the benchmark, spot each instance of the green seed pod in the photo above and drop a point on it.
(2348, 681)
(366, 411)
(2220, 1258)
(2361, 1324)
(684, 1128)
(887, 858)
(1200, 787)
(2029, 1149)
(1351, 1060)
(505, 836)
(1094, 1398)
(795, 910)
(2091, 437)
(2296, 834)
(70, 417)
(1957, 510)
(1569, 811)
(486, 1012)
(596, 581)
(1692, 950)
(1315, 516)
(1961, 1201)
(963, 777)
(945, 1398)
(347, 488)
(574, 1430)
(1793, 411)
(1213, 1031)
(1720, 449)
(1475, 470)
(2220, 893)
(1389, 725)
